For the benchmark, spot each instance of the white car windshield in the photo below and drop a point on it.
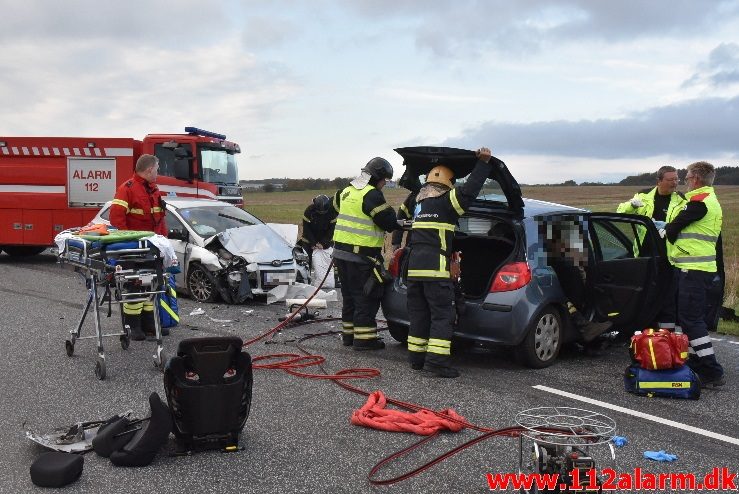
(207, 221)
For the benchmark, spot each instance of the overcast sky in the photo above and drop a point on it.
(565, 89)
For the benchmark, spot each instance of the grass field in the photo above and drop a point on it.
(288, 207)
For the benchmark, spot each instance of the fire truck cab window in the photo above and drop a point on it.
(167, 160)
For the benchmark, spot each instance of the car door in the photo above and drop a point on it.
(629, 274)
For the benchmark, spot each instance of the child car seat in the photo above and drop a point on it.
(209, 388)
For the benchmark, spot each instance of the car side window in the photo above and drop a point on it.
(616, 240)
(173, 223)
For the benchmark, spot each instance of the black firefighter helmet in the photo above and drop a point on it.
(321, 203)
(379, 168)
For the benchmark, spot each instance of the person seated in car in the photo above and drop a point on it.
(567, 254)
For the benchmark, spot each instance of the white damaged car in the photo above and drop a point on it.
(226, 253)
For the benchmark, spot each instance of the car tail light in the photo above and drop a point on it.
(511, 277)
(394, 267)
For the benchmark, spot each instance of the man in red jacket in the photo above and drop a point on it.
(138, 206)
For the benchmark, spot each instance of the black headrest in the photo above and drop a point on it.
(56, 469)
(105, 440)
(210, 357)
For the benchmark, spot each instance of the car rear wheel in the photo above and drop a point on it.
(200, 284)
(398, 331)
(543, 340)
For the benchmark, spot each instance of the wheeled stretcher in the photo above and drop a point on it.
(125, 272)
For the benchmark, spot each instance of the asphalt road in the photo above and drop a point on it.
(298, 437)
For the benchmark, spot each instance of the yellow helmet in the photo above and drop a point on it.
(440, 174)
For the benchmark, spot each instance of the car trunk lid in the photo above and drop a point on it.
(420, 160)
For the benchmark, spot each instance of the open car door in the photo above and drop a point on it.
(420, 160)
(630, 273)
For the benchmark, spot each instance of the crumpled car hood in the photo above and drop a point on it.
(255, 243)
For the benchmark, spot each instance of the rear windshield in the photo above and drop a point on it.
(491, 191)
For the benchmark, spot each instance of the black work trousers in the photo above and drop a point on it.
(693, 286)
(359, 309)
(431, 314)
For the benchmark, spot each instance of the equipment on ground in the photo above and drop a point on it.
(56, 469)
(679, 382)
(209, 390)
(51, 184)
(127, 272)
(561, 439)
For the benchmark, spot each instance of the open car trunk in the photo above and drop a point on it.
(486, 246)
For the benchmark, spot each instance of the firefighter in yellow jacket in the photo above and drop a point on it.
(359, 236)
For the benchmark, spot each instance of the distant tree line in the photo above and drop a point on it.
(725, 175)
(295, 184)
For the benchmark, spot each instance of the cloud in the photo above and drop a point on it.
(693, 128)
(135, 22)
(133, 91)
(451, 28)
(720, 70)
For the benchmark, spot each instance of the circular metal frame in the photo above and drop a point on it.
(566, 426)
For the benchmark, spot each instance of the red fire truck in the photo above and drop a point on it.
(49, 184)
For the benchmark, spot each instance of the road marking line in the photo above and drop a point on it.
(646, 416)
(717, 339)
(734, 342)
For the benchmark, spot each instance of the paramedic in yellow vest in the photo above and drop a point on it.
(692, 233)
(658, 203)
(359, 236)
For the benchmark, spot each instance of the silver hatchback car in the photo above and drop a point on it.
(227, 253)
(526, 263)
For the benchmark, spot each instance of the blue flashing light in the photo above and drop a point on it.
(204, 133)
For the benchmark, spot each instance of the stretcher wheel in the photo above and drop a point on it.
(125, 341)
(100, 369)
(69, 347)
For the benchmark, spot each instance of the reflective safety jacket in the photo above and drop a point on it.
(138, 206)
(677, 201)
(363, 219)
(692, 232)
(433, 227)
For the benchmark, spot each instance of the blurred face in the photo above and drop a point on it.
(668, 184)
(692, 181)
(381, 184)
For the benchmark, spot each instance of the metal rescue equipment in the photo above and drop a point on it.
(128, 272)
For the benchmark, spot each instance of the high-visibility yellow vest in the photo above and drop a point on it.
(695, 246)
(353, 227)
(647, 198)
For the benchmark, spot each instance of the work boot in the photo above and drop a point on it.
(133, 321)
(594, 329)
(715, 382)
(347, 339)
(441, 370)
(416, 359)
(373, 344)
